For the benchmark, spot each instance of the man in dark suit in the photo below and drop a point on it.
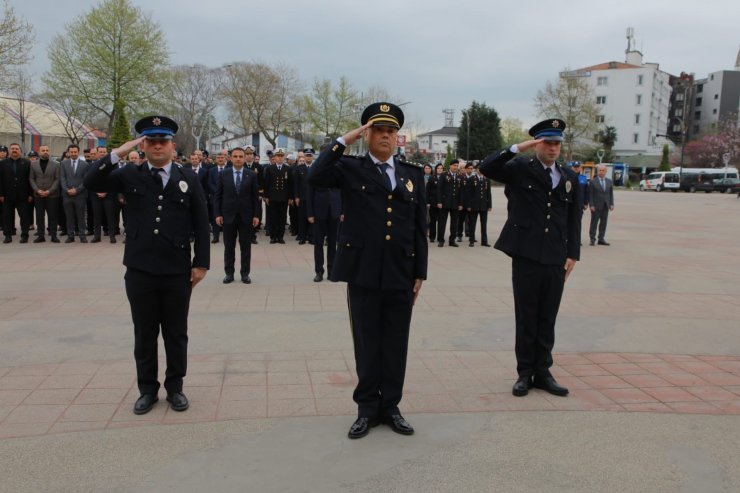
(300, 192)
(278, 192)
(74, 193)
(382, 255)
(251, 162)
(44, 181)
(449, 202)
(477, 203)
(324, 207)
(236, 207)
(541, 235)
(601, 201)
(213, 179)
(165, 205)
(16, 193)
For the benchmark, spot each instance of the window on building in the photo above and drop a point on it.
(711, 77)
(635, 138)
(676, 127)
(639, 99)
(679, 96)
(678, 112)
(600, 99)
(639, 80)
(637, 119)
(716, 96)
(599, 118)
(714, 111)
(700, 88)
(601, 81)
(697, 115)
(698, 101)
(444, 141)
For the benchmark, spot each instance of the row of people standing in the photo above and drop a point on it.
(463, 197)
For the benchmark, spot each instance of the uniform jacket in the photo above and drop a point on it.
(74, 180)
(601, 198)
(278, 186)
(158, 222)
(450, 190)
(15, 185)
(45, 180)
(229, 204)
(300, 181)
(543, 224)
(431, 191)
(323, 203)
(259, 171)
(477, 193)
(382, 241)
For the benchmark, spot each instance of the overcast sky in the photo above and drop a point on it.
(436, 54)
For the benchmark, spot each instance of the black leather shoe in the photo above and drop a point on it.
(113, 239)
(96, 239)
(522, 386)
(228, 279)
(254, 241)
(281, 241)
(453, 244)
(246, 280)
(399, 425)
(549, 384)
(592, 242)
(39, 239)
(440, 244)
(145, 403)
(178, 401)
(485, 244)
(24, 239)
(361, 427)
(7, 239)
(54, 239)
(273, 241)
(83, 239)
(319, 277)
(214, 240)
(70, 239)
(302, 242)
(471, 244)
(603, 242)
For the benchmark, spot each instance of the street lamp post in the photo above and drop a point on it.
(726, 159)
(467, 124)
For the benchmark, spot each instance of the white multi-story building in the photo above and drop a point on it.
(634, 98)
(435, 143)
(716, 98)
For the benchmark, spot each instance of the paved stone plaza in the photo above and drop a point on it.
(648, 340)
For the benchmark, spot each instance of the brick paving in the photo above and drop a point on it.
(79, 396)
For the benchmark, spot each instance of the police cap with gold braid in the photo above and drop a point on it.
(383, 114)
(157, 127)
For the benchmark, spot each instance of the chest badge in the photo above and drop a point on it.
(409, 186)
(568, 186)
(183, 186)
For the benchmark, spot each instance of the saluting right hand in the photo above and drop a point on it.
(528, 144)
(127, 147)
(354, 135)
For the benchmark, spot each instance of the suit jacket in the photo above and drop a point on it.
(229, 204)
(202, 178)
(74, 180)
(323, 203)
(300, 181)
(382, 240)
(158, 222)
(543, 224)
(278, 187)
(45, 180)
(257, 168)
(477, 193)
(450, 190)
(14, 185)
(600, 198)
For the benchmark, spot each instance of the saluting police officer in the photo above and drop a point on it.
(541, 235)
(382, 255)
(165, 204)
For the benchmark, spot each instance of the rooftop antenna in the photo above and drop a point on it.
(449, 117)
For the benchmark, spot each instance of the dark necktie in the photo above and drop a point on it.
(603, 185)
(238, 181)
(386, 178)
(157, 174)
(549, 176)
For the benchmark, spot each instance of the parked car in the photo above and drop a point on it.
(727, 185)
(659, 181)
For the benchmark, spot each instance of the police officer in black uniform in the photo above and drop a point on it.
(165, 204)
(278, 192)
(541, 235)
(477, 203)
(449, 202)
(382, 255)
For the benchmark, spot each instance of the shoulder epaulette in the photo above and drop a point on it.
(179, 165)
(411, 163)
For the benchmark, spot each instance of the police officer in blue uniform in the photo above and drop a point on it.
(541, 235)
(381, 255)
(165, 203)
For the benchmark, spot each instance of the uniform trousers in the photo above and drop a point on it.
(46, 206)
(599, 218)
(442, 224)
(304, 228)
(245, 232)
(103, 209)
(324, 229)
(380, 331)
(159, 301)
(462, 223)
(433, 218)
(24, 213)
(74, 209)
(538, 289)
(278, 217)
(472, 218)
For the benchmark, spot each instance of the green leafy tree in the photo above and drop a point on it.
(513, 131)
(572, 100)
(450, 157)
(121, 130)
(113, 52)
(483, 125)
(332, 110)
(665, 163)
(16, 41)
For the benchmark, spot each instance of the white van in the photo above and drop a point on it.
(660, 180)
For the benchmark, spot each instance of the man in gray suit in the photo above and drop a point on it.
(74, 194)
(601, 201)
(44, 180)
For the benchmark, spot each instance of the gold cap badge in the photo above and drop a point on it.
(156, 122)
(385, 108)
(555, 124)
